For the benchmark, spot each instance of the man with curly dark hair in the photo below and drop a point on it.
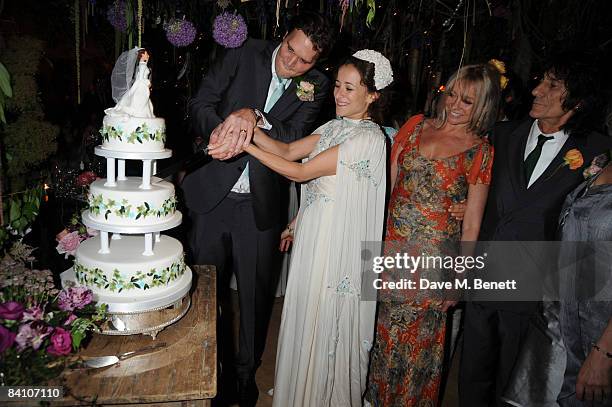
(538, 161)
(234, 203)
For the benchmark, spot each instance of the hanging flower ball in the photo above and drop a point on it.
(180, 33)
(115, 14)
(229, 30)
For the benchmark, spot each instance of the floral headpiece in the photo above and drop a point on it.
(501, 68)
(383, 74)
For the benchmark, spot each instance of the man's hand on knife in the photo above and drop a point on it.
(230, 137)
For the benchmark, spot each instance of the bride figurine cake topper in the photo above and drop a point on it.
(131, 85)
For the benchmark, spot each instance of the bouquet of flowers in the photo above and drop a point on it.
(229, 30)
(40, 326)
(180, 33)
(69, 239)
(115, 14)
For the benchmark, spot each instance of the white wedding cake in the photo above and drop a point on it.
(140, 134)
(130, 266)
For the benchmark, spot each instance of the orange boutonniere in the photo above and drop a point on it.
(573, 159)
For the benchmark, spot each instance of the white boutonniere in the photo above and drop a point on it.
(305, 90)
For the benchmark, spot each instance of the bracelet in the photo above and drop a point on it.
(289, 228)
(597, 348)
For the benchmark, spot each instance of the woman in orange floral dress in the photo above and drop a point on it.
(434, 163)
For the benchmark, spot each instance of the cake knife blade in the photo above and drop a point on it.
(196, 160)
(96, 362)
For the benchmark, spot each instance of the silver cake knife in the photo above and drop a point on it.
(196, 160)
(96, 362)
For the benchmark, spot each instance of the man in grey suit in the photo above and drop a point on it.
(235, 202)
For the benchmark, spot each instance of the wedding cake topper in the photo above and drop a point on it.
(131, 85)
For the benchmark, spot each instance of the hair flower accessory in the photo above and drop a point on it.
(383, 74)
(305, 91)
(501, 68)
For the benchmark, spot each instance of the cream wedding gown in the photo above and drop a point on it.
(327, 330)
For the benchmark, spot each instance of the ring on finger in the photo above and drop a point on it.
(243, 130)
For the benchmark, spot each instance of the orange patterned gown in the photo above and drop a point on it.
(406, 361)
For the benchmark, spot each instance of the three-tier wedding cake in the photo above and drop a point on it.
(130, 265)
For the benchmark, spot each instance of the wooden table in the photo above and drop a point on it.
(184, 373)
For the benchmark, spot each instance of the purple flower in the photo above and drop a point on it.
(70, 319)
(11, 310)
(32, 334)
(229, 30)
(74, 298)
(7, 338)
(34, 313)
(61, 342)
(115, 14)
(180, 33)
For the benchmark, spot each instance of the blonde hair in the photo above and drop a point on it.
(486, 81)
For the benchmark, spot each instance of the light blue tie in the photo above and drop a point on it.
(276, 94)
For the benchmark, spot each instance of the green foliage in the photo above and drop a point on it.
(29, 367)
(5, 90)
(22, 209)
(371, 12)
(28, 140)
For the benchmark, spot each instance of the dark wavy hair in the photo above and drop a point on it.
(584, 84)
(317, 28)
(366, 71)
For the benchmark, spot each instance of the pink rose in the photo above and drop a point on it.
(61, 342)
(34, 313)
(74, 298)
(305, 91)
(32, 334)
(69, 243)
(7, 338)
(61, 235)
(11, 310)
(307, 86)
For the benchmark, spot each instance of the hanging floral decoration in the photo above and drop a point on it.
(347, 5)
(223, 4)
(229, 30)
(115, 14)
(180, 33)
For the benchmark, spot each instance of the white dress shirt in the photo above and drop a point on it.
(550, 149)
(242, 186)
